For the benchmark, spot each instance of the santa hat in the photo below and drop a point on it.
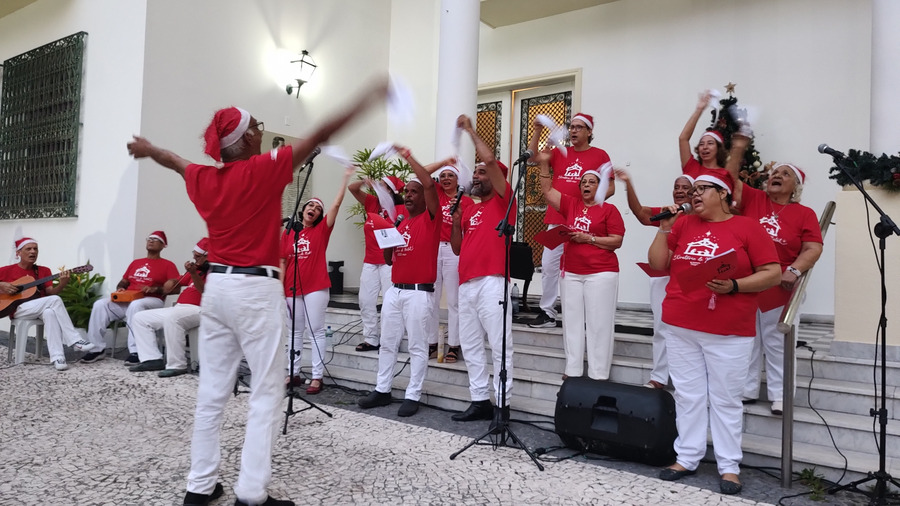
(463, 175)
(413, 179)
(394, 183)
(586, 118)
(202, 246)
(719, 177)
(159, 235)
(715, 134)
(689, 178)
(25, 241)
(226, 127)
(602, 173)
(801, 176)
(317, 201)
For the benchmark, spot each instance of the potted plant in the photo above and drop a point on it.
(79, 296)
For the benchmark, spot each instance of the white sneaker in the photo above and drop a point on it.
(60, 365)
(777, 408)
(84, 346)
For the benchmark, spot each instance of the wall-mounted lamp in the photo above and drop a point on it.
(301, 71)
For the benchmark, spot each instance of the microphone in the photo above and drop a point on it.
(683, 208)
(524, 156)
(400, 218)
(312, 155)
(459, 195)
(824, 149)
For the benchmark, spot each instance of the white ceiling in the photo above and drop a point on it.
(496, 13)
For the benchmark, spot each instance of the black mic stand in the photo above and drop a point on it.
(291, 392)
(883, 229)
(500, 431)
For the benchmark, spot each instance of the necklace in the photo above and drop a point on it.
(772, 210)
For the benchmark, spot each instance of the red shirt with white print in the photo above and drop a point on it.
(310, 266)
(597, 220)
(150, 272)
(447, 219)
(374, 255)
(482, 250)
(567, 172)
(416, 263)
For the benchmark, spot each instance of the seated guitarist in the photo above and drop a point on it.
(45, 304)
(146, 277)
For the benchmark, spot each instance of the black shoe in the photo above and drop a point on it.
(669, 474)
(542, 320)
(730, 487)
(149, 365)
(500, 421)
(478, 410)
(90, 358)
(171, 373)
(375, 399)
(269, 502)
(194, 499)
(132, 360)
(408, 408)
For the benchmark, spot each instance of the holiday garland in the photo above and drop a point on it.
(882, 172)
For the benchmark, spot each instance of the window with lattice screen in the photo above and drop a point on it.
(40, 111)
(488, 122)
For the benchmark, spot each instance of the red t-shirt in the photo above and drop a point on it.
(190, 295)
(693, 241)
(567, 171)
(150, 272)
(13, 272)
(416, 263)
(789, 227)
(481, 252)
(447, 223)
(374, 255)
(599, 220)
(693, 168)
(241, 204)
(311, 265)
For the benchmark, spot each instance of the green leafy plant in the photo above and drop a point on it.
(882, 171)
(815, 482)
(79, 296)
(375, 169)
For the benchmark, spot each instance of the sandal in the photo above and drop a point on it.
(452, 354)
(432, 351)
(313, 389)
(364, 346)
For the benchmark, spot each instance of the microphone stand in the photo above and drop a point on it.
(883, 229)
(291, 392)
(500, 426)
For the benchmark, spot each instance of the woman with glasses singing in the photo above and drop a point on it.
(709, 330)
(710, 150)
(590, 269)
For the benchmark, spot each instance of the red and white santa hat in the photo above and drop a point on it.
(226, 127)
(202, 246)
(25, 241)
(602, 173)
(317, 201)
(689, 179)
(715, 134)
(160, 236)
(394, 183)
(587, 119)
(801, 176)
(719, 177)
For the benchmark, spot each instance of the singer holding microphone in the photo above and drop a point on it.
(709, 331)
(590, 278)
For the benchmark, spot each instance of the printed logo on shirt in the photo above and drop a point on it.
(405, 250)
(770, 223)
(573, 172)
(582, 223)
(700, 250)
(475, 220)
(301, 247)
(445, 212)
(142, 273)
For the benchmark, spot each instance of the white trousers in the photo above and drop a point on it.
(769, 342)
(310, 320)
(448, 280)
(589, 310)
(175, 322)
(408, 310)
(480, 315)
(708, 372)
(550, 277)
(660, 371)
(58, 328)
(373, 281)
(106, 311)
(241, 316)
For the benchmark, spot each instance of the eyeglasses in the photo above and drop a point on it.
(259, 126)
(577, 128)
(700, 190)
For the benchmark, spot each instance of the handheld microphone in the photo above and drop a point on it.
(524, 156)
(824, 149)
(400, 218)
(312, 155)
(683, 208)
(459, 195)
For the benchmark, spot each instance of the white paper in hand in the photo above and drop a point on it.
(385, 149)
(389, 238)
(400, 104)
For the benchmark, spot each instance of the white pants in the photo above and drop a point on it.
(660, 371)
(480, 314)
(373, 281)
(106, 311)
(448, 279)
(550, 277)
(769, 342)
(401, 310)
(241, 316)
(175, 321)
(589, 310)
(58, 328)
(708, 372)
(310, 320)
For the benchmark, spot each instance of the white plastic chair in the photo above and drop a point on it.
(18, 337)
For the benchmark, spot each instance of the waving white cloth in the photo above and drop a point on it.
(558, 133)
(400, 104)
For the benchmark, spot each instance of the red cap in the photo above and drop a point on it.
(586, 118)
(226, 127)
(394, 183)
(202, 246)
(719, 177)
(159, 234)
(21, 243)
(715, 134)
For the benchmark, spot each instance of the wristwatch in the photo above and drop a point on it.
(794, 271)
(592, 239)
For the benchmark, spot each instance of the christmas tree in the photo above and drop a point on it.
(728, 120)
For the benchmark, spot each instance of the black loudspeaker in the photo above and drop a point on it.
(624, 421)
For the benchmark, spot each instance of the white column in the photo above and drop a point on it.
(457, 87)
(885, 102)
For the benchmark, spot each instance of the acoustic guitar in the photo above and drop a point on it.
(27, 286)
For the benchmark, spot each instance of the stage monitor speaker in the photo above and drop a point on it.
(624, 421)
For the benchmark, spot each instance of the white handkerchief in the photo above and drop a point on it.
(454, 141)
(385, 199)
(546, 121)
(400, 104)
(605, 170)
(385, 149)
(337, 154)
(557, 138)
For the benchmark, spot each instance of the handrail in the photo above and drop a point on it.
(786, 326)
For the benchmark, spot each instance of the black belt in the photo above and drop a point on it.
(252, 271)
(425, 287)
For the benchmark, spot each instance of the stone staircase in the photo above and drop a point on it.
(842, 391)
